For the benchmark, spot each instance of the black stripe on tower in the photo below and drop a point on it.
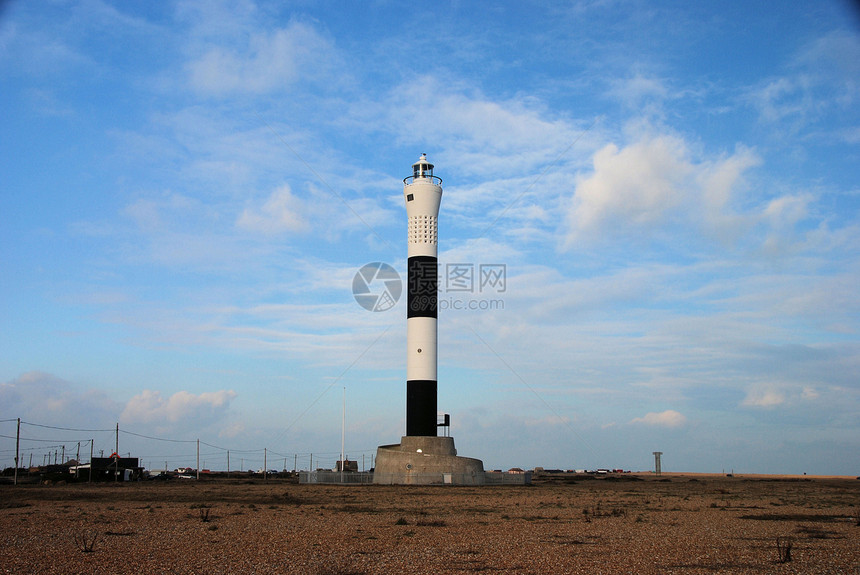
(421, 407)
(422, 287)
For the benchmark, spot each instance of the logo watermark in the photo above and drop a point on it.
(462, 278)
(471, 304)
(377, 286)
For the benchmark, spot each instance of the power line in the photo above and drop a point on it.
(157, 438)
(66, 428)
(536, 394)
(337, 379)
(250, 455)
(48, 440)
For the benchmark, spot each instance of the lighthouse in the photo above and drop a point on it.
(422, 457)
(422, 192)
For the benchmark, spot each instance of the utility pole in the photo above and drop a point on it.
(295, 461)
(116, 451)
(342, 434)
(228, 463)
(17, 449)
(198, 459)
(265, 466)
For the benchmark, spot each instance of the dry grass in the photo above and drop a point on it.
(685, 525)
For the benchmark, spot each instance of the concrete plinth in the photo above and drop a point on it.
(420, 460)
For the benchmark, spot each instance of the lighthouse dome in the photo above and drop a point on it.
(422, 168)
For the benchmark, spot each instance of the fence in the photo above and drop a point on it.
(495, 478)
(336, 477)
(347, 478)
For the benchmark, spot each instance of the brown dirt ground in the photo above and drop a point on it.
(684, 523)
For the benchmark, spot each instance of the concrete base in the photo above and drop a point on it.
(421, 460)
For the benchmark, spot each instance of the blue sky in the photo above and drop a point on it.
(188, 189)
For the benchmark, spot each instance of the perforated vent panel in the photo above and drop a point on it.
(422, 230)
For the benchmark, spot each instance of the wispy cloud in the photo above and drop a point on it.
(764, 396)
(261, 61)
(818, 82)
(787, 395)
(281, 212)
(668, 418)
(484, 137)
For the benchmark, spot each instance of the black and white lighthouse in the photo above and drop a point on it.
(423, 194)
(422, 457)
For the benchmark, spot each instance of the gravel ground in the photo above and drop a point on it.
(682, 524)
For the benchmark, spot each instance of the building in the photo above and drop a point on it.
(108, 469)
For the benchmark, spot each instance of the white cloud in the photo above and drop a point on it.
(153, 213)
(232, 430)
(831, 56)
(482, 137)
(782, 215)
(668, 418)
(638, 90)
(282, 212)
(656, 186)
(637, 185)
(779, 99)
(787, 210)
(769, 395)
(150, 407)
(821, 81)
(719, 182)
(269, 61)
(765, 396)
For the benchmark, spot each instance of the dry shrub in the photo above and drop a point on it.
(86, 540)
(783, 549)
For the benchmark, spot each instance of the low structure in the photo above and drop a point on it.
(346, 465)
(108, 469)
(424, 460)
